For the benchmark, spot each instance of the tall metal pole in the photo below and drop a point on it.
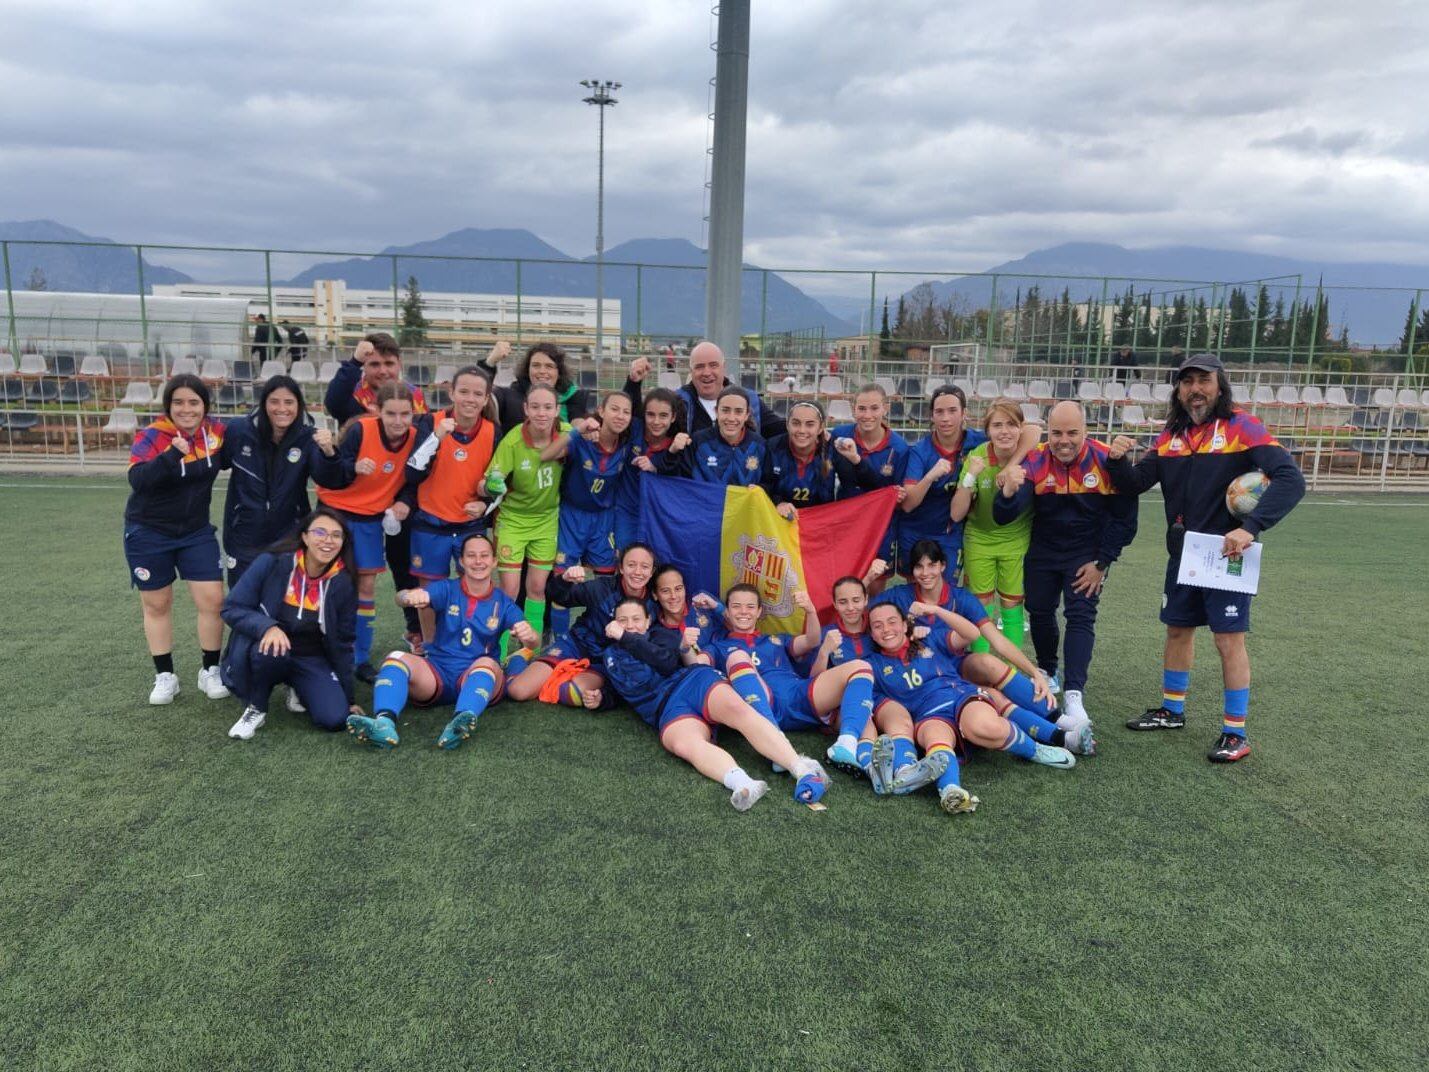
(726, 252)
(600, 96)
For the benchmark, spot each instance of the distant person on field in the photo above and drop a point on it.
(544, 365)
(1207, 443)
(267, 340)
(707, 381)
(1122, 362)
(297, 341)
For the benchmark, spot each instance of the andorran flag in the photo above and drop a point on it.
(719, 536)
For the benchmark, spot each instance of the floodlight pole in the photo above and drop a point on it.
(600, 96)
(726, 252)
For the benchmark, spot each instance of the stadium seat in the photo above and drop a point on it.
(890, 388)
(33, 365)
(1335, 396)
(1016, 392)
(749, 381)
(1161, 393)
(12, 389)
(988, 390)
(447, 373)
(303, 372)
(1407, 397)
(438, 398)
(831, 385)
(1312, 396)
(328, 371)
(41, 391)
(122, 421)
(1140, 393)
(65, 364)
(270, 368)
(233, 396)
(242, 371)
(1031, 413)
(7, 363)
(781, 387)
(1113, 391)
(1263, 395)
(1040, 391)
(1089, 391)
(505, 377)
(910, 387)
(1424, 398)
(17, 420)
(840, 409)
(1134, 416)
(214, 370)
(965, 386)
(76, 391)
(138, 393)
(184, 366)
(93, 365)
(1065, 389)
(589, 378)
(668, 380)
(1287, 395)
(418, 375)
(1360, 396)
(1383, 397)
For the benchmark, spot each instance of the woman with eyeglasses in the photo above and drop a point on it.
(293, 616)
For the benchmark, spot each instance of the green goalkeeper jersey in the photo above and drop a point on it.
(980, 531)
(533, 487)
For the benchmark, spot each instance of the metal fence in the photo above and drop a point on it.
(75, 382)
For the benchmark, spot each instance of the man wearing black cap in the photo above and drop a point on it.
(1207, 443)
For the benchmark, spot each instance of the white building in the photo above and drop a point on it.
(335, 314)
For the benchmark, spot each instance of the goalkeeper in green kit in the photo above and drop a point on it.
(529, 507)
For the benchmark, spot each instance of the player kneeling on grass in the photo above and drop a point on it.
(460, 665)
(760, 666)
(293, 616)
(946, 709)
(671, 685)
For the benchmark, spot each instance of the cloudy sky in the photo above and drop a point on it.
(942, 135)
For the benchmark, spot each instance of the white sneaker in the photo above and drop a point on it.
(210, 683)
(166, 687)
(248, 723)
(294, 704)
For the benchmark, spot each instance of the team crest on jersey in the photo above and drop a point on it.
(525, 464)
(294, 454)
(417, 561)
(459, 454)
(454, 611)
(1175, 444)
(587, 466)
(751, 463)
(887, 670)
(247, 450)
(1090, 480)
(760, 561)
(887, 469)
(493, 621)
(387, 467)
(1218, 442)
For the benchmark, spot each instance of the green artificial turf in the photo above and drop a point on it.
(560, 894)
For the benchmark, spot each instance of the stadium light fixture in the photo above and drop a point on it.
(602, 96)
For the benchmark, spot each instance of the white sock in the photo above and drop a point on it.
(847, 740)
(1072, 701)
(735, 778)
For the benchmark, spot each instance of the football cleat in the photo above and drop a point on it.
(1229, 748)
(458, 730)
(955, 800)
(845, 759)
(1051, 756)
(210, 683)
(925, 771)
(813, 781)
(248, 723)
(746, 796)
(1079, 739)
(1158, 718)
(880, 771)
(379, 732)
(166, 687)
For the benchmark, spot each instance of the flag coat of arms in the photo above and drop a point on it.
(719, 536)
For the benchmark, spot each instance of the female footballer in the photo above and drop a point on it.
(885, 452)
(804, 467)
(658, 445)
(731, 452)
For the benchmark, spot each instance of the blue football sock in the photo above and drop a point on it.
(520, 659)
(366, 620)
(904, 753)
(1019, 689)
(864, 752)
(856, 707)
(389, 691)
(1019, 744)
(1173, 690)
(1034, 725)
(476, 691)
(949, 776)
(752, 690)
(1237, 707)
(560, 619)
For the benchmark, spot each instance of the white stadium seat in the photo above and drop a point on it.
(889, 387)
(446, 373)
(668, 380)
(1089, 391)
(1383, 397)
(988, 389)
(33, 365)
(1287, 395)
(304, 372)
(1407, 397)
(183, 366)
(7, 363)
(1040, 390)
(214, 369)
(1134, 416)
(1161, 392)
(1139, 392)
(122, 421)
(1031, 413)
(138, 393)
(840, 409)
(1264, 395)
(328, 371)
(93, 365)
(1016, 392)
(1114, 391)
(272, 367)
(1312, 396)
(831, 385)
(1335, 396)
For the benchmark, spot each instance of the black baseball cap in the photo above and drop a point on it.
(1204, 362)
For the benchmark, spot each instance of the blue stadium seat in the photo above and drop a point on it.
(18, 420)
(41, 391)
(12, 389)
(75, 391)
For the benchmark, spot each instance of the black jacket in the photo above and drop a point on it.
(769, 423)
(1079, 514)
(268, 487)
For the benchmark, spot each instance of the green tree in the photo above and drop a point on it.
(1123, 321)
(1239, 328)
(885, 336)
(1145, 329)
(413, 331)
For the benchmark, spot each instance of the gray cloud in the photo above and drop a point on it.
(944, 136)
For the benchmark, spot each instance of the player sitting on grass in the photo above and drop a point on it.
(460, 664)
(769, 683)
(568, 671)
(676, 692)
(946, 709)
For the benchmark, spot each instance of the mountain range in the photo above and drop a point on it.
(667, 294)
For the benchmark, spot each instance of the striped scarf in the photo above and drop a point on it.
(304, 592)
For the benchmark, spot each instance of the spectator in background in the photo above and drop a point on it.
(297, 342)
(267, 340)
(545, 365)
(1122, 362)
(707, 382)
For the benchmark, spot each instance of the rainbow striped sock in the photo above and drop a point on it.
(1237, 706)
(569, 694)
(1173, 690)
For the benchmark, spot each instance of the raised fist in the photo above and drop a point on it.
(1119, 447)
(975, 465)
(639, 369)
